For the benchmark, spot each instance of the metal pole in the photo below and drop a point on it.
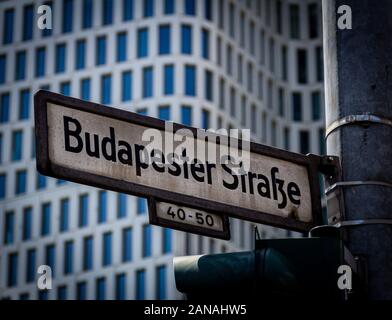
(358, 93)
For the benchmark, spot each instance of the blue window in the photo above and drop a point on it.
(205, 44)
(148, 10)
(64, 215)
(85, 89)
(164, 39)
(88, 253)
(121, 205)
(17, 145)
(41, 181)
(62, 293)
(102, 206)
(126, 86)
(161, 283)
(127, 244)
(190, 80)
(87, 15)
(205, 119)
(60, 58)
(208, 9)
(28, 15)
(20, 67)
(45, 219)
(8, 26)
(186, 115)
(164, 113)
(147, 241)
(304, 141)
(316, 105)
(297, 107)
(3, 180)
(121, 46)
(169, 6)
(147, 82)
(4, 107)
(68, 257)
(140, 284)
(65, 88)
(190, 7)
(24, 296)
(40, 62)
(141, 206)
(30, 268)
(50, 257)
(208, 85)
(168, 81)
(120, 286)
(186, 39)
(12, 278)
(101, 51)
(107, 249)
(107, 12)
(83, 210)
(106, 89)
(81, 291)
(67, 15)
(48, 32)
(1, 147)
(127, 10)
(3, 68)
(43, 294)
(24, 104)
(9, 227)
(27, 223)
(142, 111)
(80, 54)
(100, 289)
(142, 43)
(167, 240)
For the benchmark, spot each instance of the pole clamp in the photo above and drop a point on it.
(364, 118)
(361, 222)
(356, 183)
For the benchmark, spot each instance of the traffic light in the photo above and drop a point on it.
(279, 268)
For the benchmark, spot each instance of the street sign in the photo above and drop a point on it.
(122, 151)
(185, 218)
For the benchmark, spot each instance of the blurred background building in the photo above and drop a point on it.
(206, 63)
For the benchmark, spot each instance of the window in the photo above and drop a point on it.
(167, 240)
(147, 241)
(321, 134)
(1, 147)
(164, 39)
(20, 67)
(222, 95)
(107, 249)
(253, 118)
(62, 293)
(205, 44)
(313, 20)
(81, 291)
(190, 7)
(21, 177)
(121, 46)
(272, 54)
(31, 263)
(281, 101)
(12, 276)
(65, 88)
(120, 286)
(142, 111)
(64, 215)
(252, 37)
(319, 64)
(28, 16)
(294, 21)
(127, 10)
(67, 15)
(141, 206)
(186, 39)
(126, 86)
(101, 51)
(208, 9)
(304, 141)
(208, 92)
(190, 80)
(140, 284)
(50, 257)
(45, 219)
(3, 180)
(142, 43)
(316, 105)
(147, 82)
(221, 14)
(168, 82)
(60, 58)
(24, 104)
(88, 253)
(243, 110)
(17, 145)
(87, 14)
(169, 6)
(27, 223)
(80, 54)
(164, 113)
(24, 296)
(302, 70)
(232, 102)
(297, 106)
(41, 181)
(4, 107)
(83, 210)
(106, 89)
(102, 206)
(107, 12)
(43, 294)
(148, 9)
(9, 227)
(8, 26)
(100, 289)
(68, 257)
(121, 205)
(232, 22)
(127, 244)
(286, 138)
(85, 89)
(40, 62)
(186, 115)
(229, 61)
(3, 68)
(161, 282)
(284, 63)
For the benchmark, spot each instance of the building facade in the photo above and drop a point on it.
(206, 63)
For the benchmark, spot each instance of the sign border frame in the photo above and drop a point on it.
(45, 167)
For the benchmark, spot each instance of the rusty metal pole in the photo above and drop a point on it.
(358, 93)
